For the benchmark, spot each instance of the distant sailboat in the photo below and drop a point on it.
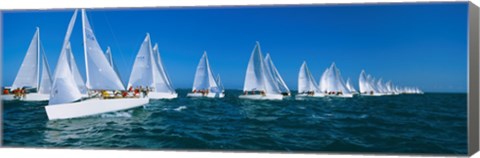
(204, 84)
(333, 84)
(219, 83)
(163, 89)
(366, 86)
(276, 75)
(259, 84)
(149, 72)
(350, 87)
(29, 76)
(307, 86)
(99, 74)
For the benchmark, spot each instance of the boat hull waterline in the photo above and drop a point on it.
(209, 95)
(160, 95)
(92, 107)
(31, 97)
(262, 97)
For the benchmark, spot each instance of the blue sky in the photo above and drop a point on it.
(423, 44)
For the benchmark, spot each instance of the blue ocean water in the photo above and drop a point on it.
(432, 123)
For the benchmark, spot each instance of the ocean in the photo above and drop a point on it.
(430, 123)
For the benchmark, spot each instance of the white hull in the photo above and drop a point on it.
(209, 95)
(92, 107)
(374, 94)
(28, 97)
(262, 97)
(8, 97)
(341, 96)
(160, 95)
(315, 95)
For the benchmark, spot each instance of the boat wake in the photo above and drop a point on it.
(123, 114)
(180, 108)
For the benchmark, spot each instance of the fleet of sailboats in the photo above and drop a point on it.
(204, 84)
(70, 96)
(65, 97)
(369, 86)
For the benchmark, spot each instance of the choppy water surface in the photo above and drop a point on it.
(431, 123)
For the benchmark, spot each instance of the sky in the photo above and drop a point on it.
(419, 44)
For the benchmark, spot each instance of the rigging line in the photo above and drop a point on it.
(115, 41)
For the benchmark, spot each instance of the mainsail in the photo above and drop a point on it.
(306, 82)
(99, 73)
(64, 88)
(204, 79)
(257, 78)
(141, 74)
(275, 74)
(28, 74)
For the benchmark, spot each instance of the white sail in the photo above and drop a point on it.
(332, 81)
(388, 87)
(306, 82)
(365, 83)
(162, 82)
(350, 86)
(64, 88)
(109, 56)
(74, 69)
(323, 85)
(46, 81)
(256, 78)
(219, 83)
(340, 83)
(275, 74)
(141, 74)
(204, 79)
(99, 73)
(28, 74)
(380, 86)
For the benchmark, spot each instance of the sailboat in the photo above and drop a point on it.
(307, 86)
(149, 72)
(366, 85)
(276, 75)
(29, 77)
(204, 84)
(333, 84)
(259, 83)
(220, 84)
(65, 97)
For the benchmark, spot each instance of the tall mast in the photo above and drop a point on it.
(38, 58)
(85, 47)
